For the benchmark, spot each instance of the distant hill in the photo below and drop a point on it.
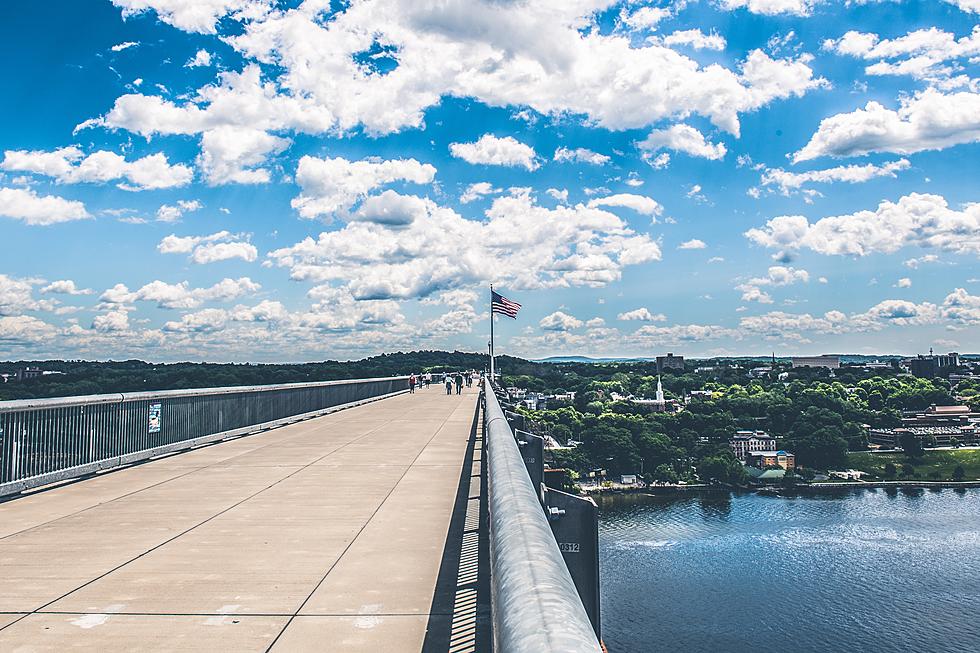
(587, 359)
(102, 377)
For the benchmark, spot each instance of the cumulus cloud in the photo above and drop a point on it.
(174, 212)
(581, 155)
(641, 314)
(540, 56)
(475, 191)
(65, 287)
(39, 210)
(24, 330)
(111, 321)
(69, 165)
(559, 321)
(229, 155)
(915, 220)
(777, 275)
(520, 243)
(695, 39)
(220, 246)
(789, 182)
(119, 47)
(195, 15)
(494, 151)
(931, 54)
(772, 7)
(178, 295)
(639, 203)
(930, 120)
(682, 138)
(202, 59)
(331, 185)
(392, 209)
(694, 243)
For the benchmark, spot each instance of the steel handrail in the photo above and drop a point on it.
(119, 397)
(535, 606)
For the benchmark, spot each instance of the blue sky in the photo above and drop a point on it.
(252, 180)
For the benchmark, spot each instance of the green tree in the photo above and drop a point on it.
(890, 470)
(959, 473)
(911, 444)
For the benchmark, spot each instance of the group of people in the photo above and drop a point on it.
(451, 380)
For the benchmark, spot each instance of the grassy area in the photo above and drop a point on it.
(926, 466)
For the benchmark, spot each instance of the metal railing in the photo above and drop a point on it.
(536, 607)
(47, 440)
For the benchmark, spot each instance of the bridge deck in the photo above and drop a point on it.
(342, 533)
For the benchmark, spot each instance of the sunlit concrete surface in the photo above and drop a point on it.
(357, 531)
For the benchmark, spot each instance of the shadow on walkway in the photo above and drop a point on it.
(459, 620)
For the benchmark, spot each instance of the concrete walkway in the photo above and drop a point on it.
(325, 535)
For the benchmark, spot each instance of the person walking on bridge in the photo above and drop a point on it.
(459, 383)
(411, 384)
(449, 385)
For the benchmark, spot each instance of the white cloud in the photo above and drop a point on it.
(639, 203)
(694, 243)
(682, 138)
(69, 165)
(174, 212)
(789, 182)
(194, 15)
(695, 39)
(179, 295)
(543, 57)
(202, 59)
(929, 120)
(904, 282)
(641, 314)
(915, 220)
(391, 209)
(65, 287)
(331, 185)
(24, 330)
(475, 191)
(111, 321)
(529, 246)
(33, 209)
(681, 333)
(928, 54)
(16, 296)
(491, 150)
(777, 275)
(119, 47)
(772, 7)
(220, 246)
(559, 321)
(229, 155)
(581, 155)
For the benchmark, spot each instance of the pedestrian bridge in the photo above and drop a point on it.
(343, 516)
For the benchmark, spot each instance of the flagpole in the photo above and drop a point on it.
(491, 334)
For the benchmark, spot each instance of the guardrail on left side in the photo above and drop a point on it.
(47, 440)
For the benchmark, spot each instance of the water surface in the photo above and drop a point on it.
(878, 571)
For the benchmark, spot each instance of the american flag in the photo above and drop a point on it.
(502, 305)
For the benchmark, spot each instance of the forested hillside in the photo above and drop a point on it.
(90, 377)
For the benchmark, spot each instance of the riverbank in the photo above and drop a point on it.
(932, 465)
(777, 489)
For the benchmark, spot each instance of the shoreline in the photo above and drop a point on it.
(659, 490)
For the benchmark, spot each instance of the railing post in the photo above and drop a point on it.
(532, 451)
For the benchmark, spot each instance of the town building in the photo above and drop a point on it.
(745, 442)
(766, 459)
(928, 367)
(670, 362)
(832, 362)
(944, 424)
(29, 373)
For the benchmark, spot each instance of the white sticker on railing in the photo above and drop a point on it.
(154, 418)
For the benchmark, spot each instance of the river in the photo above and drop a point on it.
(865, 571)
